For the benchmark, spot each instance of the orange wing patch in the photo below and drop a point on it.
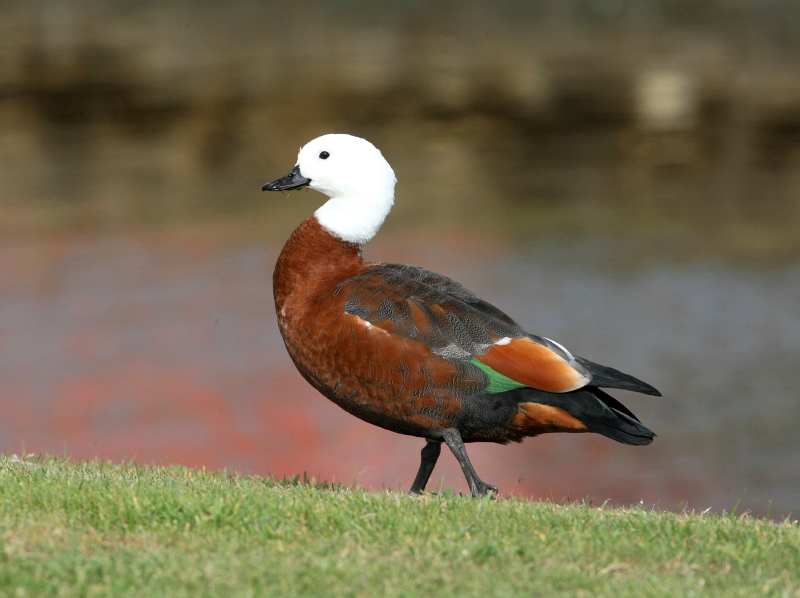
(533, 365)
(534, 419)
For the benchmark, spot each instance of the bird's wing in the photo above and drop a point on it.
(413, 303)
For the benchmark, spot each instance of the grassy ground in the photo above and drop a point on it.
(97, 529)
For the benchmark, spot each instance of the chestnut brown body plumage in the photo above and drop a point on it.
(414, 352)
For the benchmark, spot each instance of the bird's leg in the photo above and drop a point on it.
(477, 486)
(430, 454)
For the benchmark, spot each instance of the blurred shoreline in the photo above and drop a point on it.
(639, 118)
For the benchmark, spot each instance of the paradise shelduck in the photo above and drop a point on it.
(412, 351)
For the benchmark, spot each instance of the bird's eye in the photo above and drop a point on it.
(324, 155)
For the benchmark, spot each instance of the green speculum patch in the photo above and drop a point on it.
(497, 381)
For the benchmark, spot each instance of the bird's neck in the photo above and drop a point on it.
(356, 218)
(312, 263)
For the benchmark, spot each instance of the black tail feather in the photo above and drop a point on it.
(618, 424)
(621, 428)
(607, 377)
(598, 411)
(613, 403)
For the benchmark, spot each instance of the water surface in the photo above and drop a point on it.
(166, 350)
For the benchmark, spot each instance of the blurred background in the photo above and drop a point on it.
(622, 176)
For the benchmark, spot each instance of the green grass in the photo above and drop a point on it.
(99, 529)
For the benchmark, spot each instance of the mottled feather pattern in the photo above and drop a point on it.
(451, 288)
(458, 325)
(428, 307)
(345, 359)
(392, 344)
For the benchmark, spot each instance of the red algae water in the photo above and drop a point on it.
(129, 347)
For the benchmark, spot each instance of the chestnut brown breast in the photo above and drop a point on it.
(393, 382)
(413, 351)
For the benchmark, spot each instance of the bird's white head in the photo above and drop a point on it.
(354, 175)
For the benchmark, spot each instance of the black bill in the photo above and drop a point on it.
(293, 180)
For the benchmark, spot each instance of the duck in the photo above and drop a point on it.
(413, 351)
